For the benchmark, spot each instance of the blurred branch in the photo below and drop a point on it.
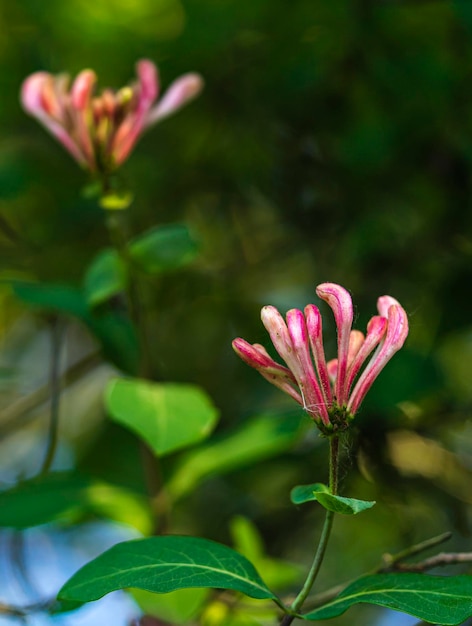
(391, 562)
(57, 333)
(19, 562)
(10, 233)
(22, 611)
(439, 560)
(19, 413)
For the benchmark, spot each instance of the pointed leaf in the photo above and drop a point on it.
(259, 438)
(163, 248)
(63, 496)
(105, 277)
(41, 500)
(337, 504)
(168, 416)
(443, 600)
(51, 297)
(164, 564)
(114, 331)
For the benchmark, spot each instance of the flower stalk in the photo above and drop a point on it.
(324, 539)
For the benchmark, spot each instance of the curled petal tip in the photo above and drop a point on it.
(31, 90)
(181, 91)
(397, 330)
(82, 89)
(384, 303)
(148, 79)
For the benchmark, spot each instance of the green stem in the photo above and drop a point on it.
(55, 394)
(325, 534)
(134, 299)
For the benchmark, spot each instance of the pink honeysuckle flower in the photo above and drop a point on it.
(100, 131)
(330, 391)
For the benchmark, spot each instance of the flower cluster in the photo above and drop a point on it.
(100, 131)
(330, 391)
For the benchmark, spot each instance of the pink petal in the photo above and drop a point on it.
(375, 331)
(397, 332)
(256, 356)
(356, 339)
(277, 328)
(315, 333)
(32, 101)
(82, 88)
(135, 121)
(81, 93)
(315, 402)
(148, 82)
(31, 93)
(332, 367)
(340, 302)
(181, 91)
(384, 303)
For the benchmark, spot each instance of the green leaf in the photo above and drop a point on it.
(105, 277)
(41, 500)
(64, 496)
(321, 494)
(114, 331)
(168, 416)
(443, 600)
(163, 564)
(177, 607)
(260, 438)
(117, 336)
(51, 297)
(163, 249)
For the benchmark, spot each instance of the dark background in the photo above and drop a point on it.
(332, 142)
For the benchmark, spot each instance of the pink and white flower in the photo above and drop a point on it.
(330, 391)
(100, 131)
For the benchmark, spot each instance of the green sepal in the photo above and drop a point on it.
(321, 494)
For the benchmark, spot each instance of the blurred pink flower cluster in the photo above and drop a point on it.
(100, 131)
(330, 391)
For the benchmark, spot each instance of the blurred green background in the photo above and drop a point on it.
(332, 142)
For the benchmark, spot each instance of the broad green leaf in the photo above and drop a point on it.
(177, 607)
(260, 438)
(164, 564)
(163, 248)
(118, 338)
(64, 496)
(168, 416)
(443, 600)
(321, 494)
(114, 330)
(41, 500)
(51, 297)
(105, 277)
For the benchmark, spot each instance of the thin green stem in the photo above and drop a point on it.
(134, 301)
(55, 395)
(325, 534)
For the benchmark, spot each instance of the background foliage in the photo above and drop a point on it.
(332, 142)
